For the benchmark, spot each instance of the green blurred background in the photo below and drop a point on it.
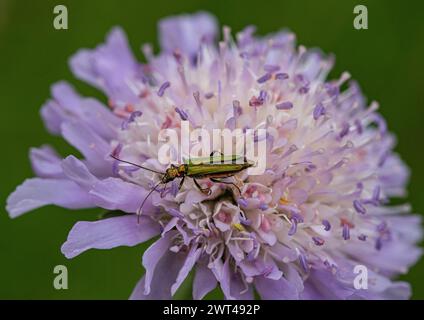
(387, 60)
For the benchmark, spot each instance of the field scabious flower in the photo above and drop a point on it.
(295, 232)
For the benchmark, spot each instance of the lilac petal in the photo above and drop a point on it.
(52, 115)
(394, 174)
(153, 255)
(109, 233)
(381, 288)
(276, 289)
(269, 237)
(138, 291)
(64, 106)
(189, 263)
(225, 279)
(238, 288)
(204, 281)
(298, 196)
(38, 192)
(77, 171)
(116, 194)
(232, 285)
(92, 146)
(292, 275)
(187, 32)
(395, 257)
(109, 67)
(170, 225)
(283, 253)
(324, 285)
(165, 274)
(67, 105)
(398, 290)
(46, 162)
(268, 269)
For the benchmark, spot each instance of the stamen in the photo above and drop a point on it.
(238, 227)
(358, 126)
(345, 130)
(379, 243)
(293, 227)
(281, 76)
(326, 224)
(319, 110)
(362, 237)
(209, 95)
(359, 207)
(182, 113)
(258, 101)
(130, 119)
(318, 241)
(303, 90)
(346, 232)
(163, 87)
(287, 105)
(264, 78)
(284, 201)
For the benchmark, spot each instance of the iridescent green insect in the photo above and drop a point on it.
(213, 168)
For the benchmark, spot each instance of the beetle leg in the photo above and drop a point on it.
(181, 183)
(215, 151)
(226, 182)
(206, 191)
(238, 180)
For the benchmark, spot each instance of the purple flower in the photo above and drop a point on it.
(293, 233)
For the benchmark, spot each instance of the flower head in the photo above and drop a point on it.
(295, 232)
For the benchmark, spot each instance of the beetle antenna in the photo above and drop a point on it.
(144, 201)
(137, 165)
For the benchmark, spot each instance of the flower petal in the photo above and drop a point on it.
(225, 280)
(92, 146)
(189, 263)
(276, 289)
(38, 192)
(109, 233)
(204, 281)
(68, 105)
(77, 171)
(153, 255)
(116, 194)
(110, 67)
(239, 289)
(46, 162)
(163, 278)
(187, 32)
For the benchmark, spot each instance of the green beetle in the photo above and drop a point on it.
(212, 167)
